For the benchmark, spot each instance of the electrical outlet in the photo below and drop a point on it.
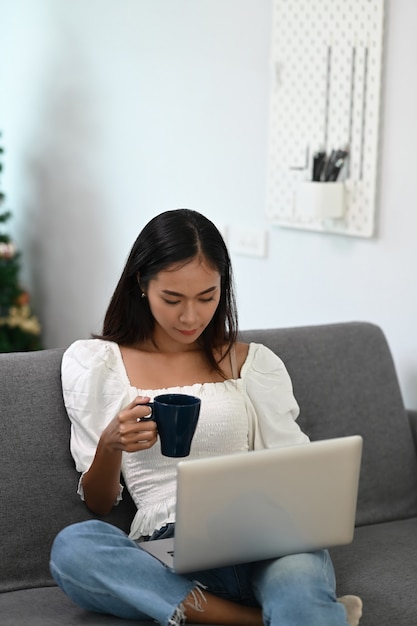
(248, 241)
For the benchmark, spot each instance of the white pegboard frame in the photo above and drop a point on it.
(326, 84)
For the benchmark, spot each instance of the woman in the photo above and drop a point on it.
(172, 325)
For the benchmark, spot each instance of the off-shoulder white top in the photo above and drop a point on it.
(257, 410)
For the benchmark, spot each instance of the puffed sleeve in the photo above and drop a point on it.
(94, 392)
(270, 392)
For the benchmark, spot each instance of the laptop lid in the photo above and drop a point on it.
(263, 504)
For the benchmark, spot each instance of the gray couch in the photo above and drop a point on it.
(345, 382)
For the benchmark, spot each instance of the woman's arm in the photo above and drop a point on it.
(101, 483)
(104, 419)
(125, 433)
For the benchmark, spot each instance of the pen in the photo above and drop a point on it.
(337, 164)
(329, 165)
(319, 160)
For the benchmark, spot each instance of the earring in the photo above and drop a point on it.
(143, 294)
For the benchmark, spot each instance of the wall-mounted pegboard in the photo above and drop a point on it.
(325, 94)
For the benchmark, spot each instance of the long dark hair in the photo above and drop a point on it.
(176, 236)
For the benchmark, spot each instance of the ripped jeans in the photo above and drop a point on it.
(104, 571)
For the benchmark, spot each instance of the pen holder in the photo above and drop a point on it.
(320, 200)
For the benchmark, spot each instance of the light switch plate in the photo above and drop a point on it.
(248, 241)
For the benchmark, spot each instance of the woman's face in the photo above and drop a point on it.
(183, 300)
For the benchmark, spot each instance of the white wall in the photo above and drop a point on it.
(114, 110)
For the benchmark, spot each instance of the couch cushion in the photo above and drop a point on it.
(49, 606)
(345, 383)
(381, 567)
(38, 478)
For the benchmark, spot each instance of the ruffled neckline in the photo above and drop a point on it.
(190, 389)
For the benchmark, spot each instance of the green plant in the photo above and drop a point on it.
(19, 329)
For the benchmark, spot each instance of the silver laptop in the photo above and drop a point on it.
(264, 504)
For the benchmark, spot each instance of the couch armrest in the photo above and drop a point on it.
(412, 416)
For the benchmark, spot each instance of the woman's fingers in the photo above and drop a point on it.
(138, 409)
(132, 430)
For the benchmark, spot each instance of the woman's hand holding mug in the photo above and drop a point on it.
(132, 430)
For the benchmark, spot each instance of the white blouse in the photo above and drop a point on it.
(257, 410)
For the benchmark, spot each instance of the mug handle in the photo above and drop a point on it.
(147, 418)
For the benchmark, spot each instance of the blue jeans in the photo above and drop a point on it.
(102, 570)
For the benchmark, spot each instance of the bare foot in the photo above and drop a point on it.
(353, 606)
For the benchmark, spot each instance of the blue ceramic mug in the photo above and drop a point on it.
(176, 416)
